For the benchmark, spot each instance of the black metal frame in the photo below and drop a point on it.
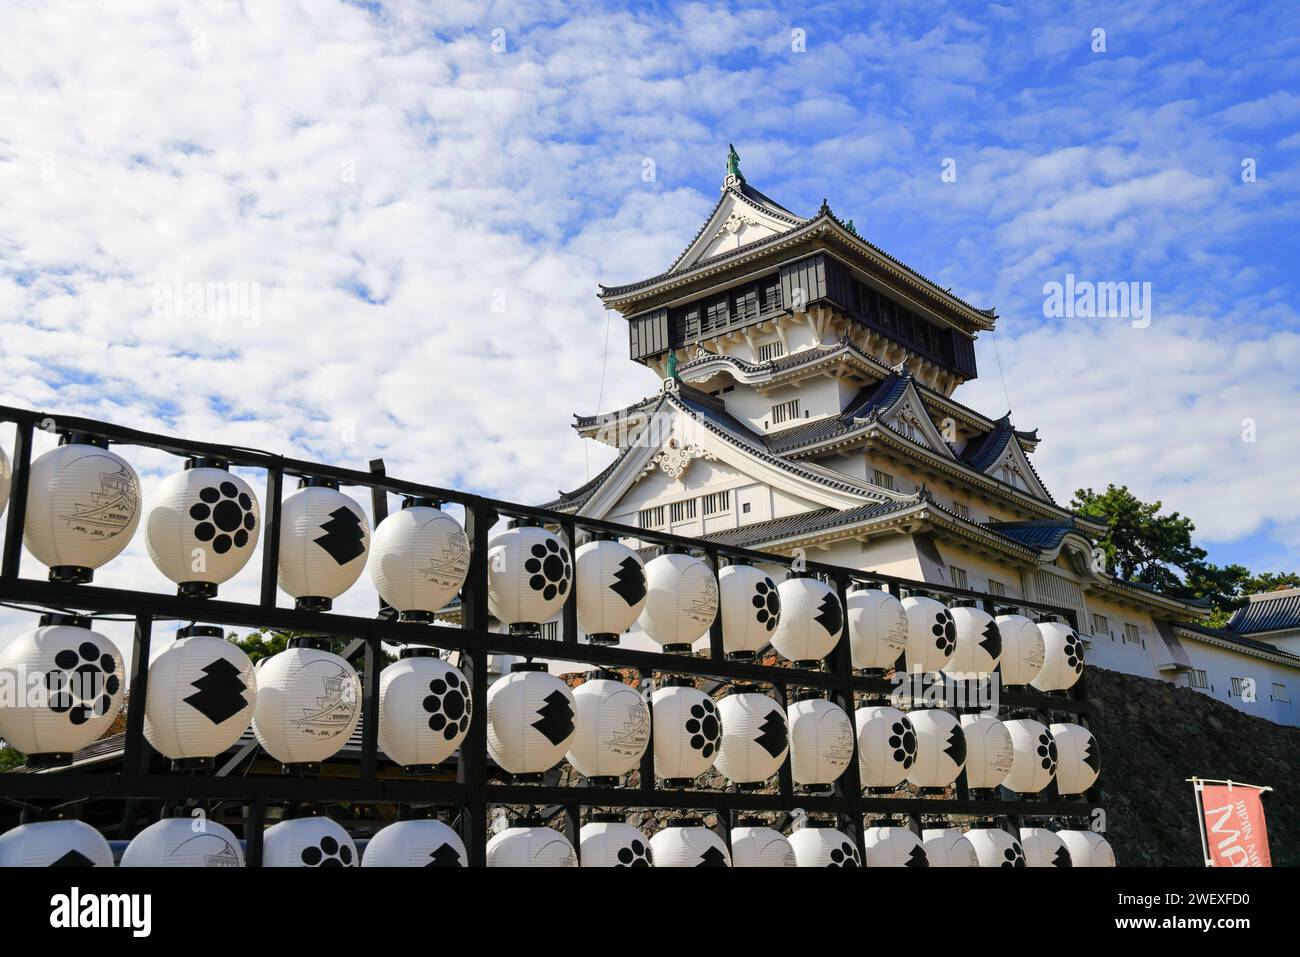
(472, 792)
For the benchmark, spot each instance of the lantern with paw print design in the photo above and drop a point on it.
(1033, 761)
(607, 840)
(751, 609)
(1062, 656)
(529, 576)
(994, 847)
(886, 746)
(931, 634)
(308, 842)
(687, 732)
(424, 709)
(820, 844)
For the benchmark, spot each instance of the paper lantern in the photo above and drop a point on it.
(979, 642)
(424, 709)
(308, 704)
(609, 841)
(687, 732)
(419, 559)
(420, 843)
(530, 720)
(894, 847)
(821, 742)
(754, 737)
(810, 623)
(948, 847)
(1043, 848)
(1062, 657)
(184, 842)
(751, 608)
(83, 506)
(611, 587)
(994, 847)
(821, 845)
(931, 634)
(324, 536)
(1022, 650)
(308, 842)
(202, 527)
(613, 729)
(54, 844)
(202, 691)
(886, 746)
(5, 478)
(1087, 848)
(686, 842)
(681, 602)
(877, 629)
(940, 749)
(1078, 758)
(1033, 761)
(532, 844)
(73, 702)
(988, 750)
(529, 574)
(754, 844)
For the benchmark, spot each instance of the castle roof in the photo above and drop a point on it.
(1268, 611)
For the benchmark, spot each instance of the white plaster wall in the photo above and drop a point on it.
(1221, 665)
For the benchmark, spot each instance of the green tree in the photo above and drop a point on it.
(265, 642)
(10, 758)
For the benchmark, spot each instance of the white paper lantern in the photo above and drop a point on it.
(886, 746)
(419, 559)
(308, 842)
(424, 709)
(324, 536)
(5, 478)
(1022, 650)
(686, 842)
(1087, 848)
(308, 704)
(1033, 762)
(940, 748)
(613, 728)
(989, 752)
(821, 742)
(687, 732)
(609, 841)
(751, 609)
(811, 620)
(184, 842)
(54, 844)
(994, 847)
(530, 720)
(421, 843)
(529, 574)
(67, 686)
(979, 641)
(931, 634)
(1078, 758)
(755, 738)
(894, 847)
(202, 527)
(83, 506)
(948, 847)
(1062, 657)
(820, 845)
(202, 691)
(1043, 848)
(681, 602)
(877, 629)
(611, 585)
(757, 845)
(531, 845)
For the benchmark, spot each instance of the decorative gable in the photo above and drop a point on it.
(742, 217)
(908, 418)
(1013, 468)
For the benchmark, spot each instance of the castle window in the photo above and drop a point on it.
(1239, 687)
(1196, 678)
(1281, 694)
(716, 502)
(997, 588)
(771, 293)
(745, 304)
(1131, 634)
(681, 511)
(959, 578)
(884, 480)
(715, 316)
(1100, 626)
(770, 350)
(651, 517)
(784, 411)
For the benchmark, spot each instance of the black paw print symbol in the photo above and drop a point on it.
(448, 705)
(704, 727)
(1014, 856)
(636, 854)
(224, 515)
(945, 632)
(1074, 653)
(329, 853)
(768, 602)
(1047, 752)
(903, 740)
(846, 855)
(549, 568)
(85, 685)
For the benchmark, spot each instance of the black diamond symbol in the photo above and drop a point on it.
(74, 858)
(829, 615)
(344, 537)
(555, 719)
(629, 581)
(917, 857)
(220, 693)
(444, 856)
(712, 858)
(773, 737)
(992, 640)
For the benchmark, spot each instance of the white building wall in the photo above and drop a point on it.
(1222, 665)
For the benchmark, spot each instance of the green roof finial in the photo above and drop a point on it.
(733, 164)
(672, 367)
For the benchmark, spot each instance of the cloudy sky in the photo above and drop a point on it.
(414, 203)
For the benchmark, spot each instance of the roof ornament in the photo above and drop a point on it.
(825, 209)
(734, 175)
(848, 224)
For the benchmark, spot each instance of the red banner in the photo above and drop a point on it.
(1232, 825)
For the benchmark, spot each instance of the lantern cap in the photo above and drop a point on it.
(679, 681)
(418, 651)
(316, 642)
(791, 574)
(200, 631)
(530, 820)
(523, 522)
(521, 666)
(672, 550)
(753, 822)
(744, 687)
(419, 501)
(206, 462)
(866, 586)
(1047, 617)
(821, 822)
(808, 694)
(82, 438)
(606, 817)
(964, 603)
(686, 822)
(603, 674)
(68, 621)
(317, 481)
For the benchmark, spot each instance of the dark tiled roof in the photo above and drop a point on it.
(1237, 639)
(983, 452)
(872, 398)
(1268, 614)
(805, 523)
(1039, 535)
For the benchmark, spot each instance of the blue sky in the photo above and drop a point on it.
(396, 216)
